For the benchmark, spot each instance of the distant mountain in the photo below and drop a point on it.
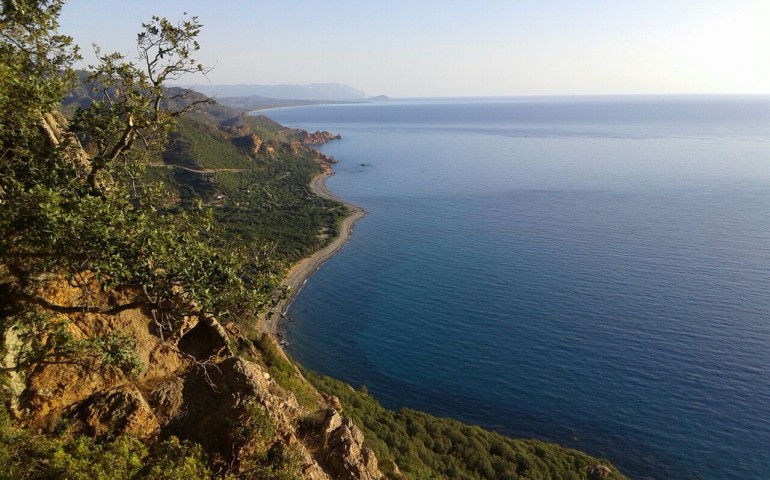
(312, 91)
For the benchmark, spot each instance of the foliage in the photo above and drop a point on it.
(426, 447)
(44, 338)
(263, 454)
(84, 459)
(269, 129)
(25, 455)
(204, 145)
(174, 459)
(35, 74)
(273, 202)
(130, 101)
(257, 198)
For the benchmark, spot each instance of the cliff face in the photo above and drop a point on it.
(318, 137)
(191, 387)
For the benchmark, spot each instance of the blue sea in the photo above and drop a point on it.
(593, 271)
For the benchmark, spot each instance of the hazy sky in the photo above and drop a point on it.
(462, 48)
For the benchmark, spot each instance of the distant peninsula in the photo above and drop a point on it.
(310, 91)
(248, 98)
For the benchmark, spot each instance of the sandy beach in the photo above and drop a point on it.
(306, 267)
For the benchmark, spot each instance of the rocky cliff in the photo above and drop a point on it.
(318, 137)
(193, 387)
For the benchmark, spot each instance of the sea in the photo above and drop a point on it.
(592, 271)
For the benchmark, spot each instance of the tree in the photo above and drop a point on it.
(35, 74)
(74, 202)
(131, 102)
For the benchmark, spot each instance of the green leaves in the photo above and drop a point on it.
(45, 339)
(166, 49)
(25, 455)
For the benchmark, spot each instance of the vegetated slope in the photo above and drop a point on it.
(255, 174)
(253, 171)
(427, 447)
(99, 379)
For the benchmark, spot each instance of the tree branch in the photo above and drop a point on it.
(42, 302)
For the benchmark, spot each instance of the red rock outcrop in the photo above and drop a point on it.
(318, 137)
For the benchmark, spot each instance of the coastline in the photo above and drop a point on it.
(300, 272)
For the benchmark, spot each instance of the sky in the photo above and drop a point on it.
(429, 48)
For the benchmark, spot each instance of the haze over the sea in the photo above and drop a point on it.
(436, 48)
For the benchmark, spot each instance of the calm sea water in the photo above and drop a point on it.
(590, 271)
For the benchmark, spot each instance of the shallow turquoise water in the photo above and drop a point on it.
(590, 271)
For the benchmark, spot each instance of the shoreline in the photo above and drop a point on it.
(301, 271)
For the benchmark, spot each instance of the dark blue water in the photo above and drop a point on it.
(589, 271)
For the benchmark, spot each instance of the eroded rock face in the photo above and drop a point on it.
(333, 401)
(250, 142)
(345, 452)
(121, 410)
(267, 148)
(200, 392)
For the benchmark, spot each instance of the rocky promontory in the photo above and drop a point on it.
(318, 137)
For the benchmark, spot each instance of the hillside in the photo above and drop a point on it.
(255, 174)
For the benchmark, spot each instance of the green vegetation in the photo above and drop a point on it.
(269, 129)
(427, 447)
(286, 373)
(24, 455)
(203, 145)
(257, 198)
(267, 457)
(273, 202)
(91, 217)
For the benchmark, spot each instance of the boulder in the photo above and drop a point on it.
(597, 472)
(122, 410)
(345, 453)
